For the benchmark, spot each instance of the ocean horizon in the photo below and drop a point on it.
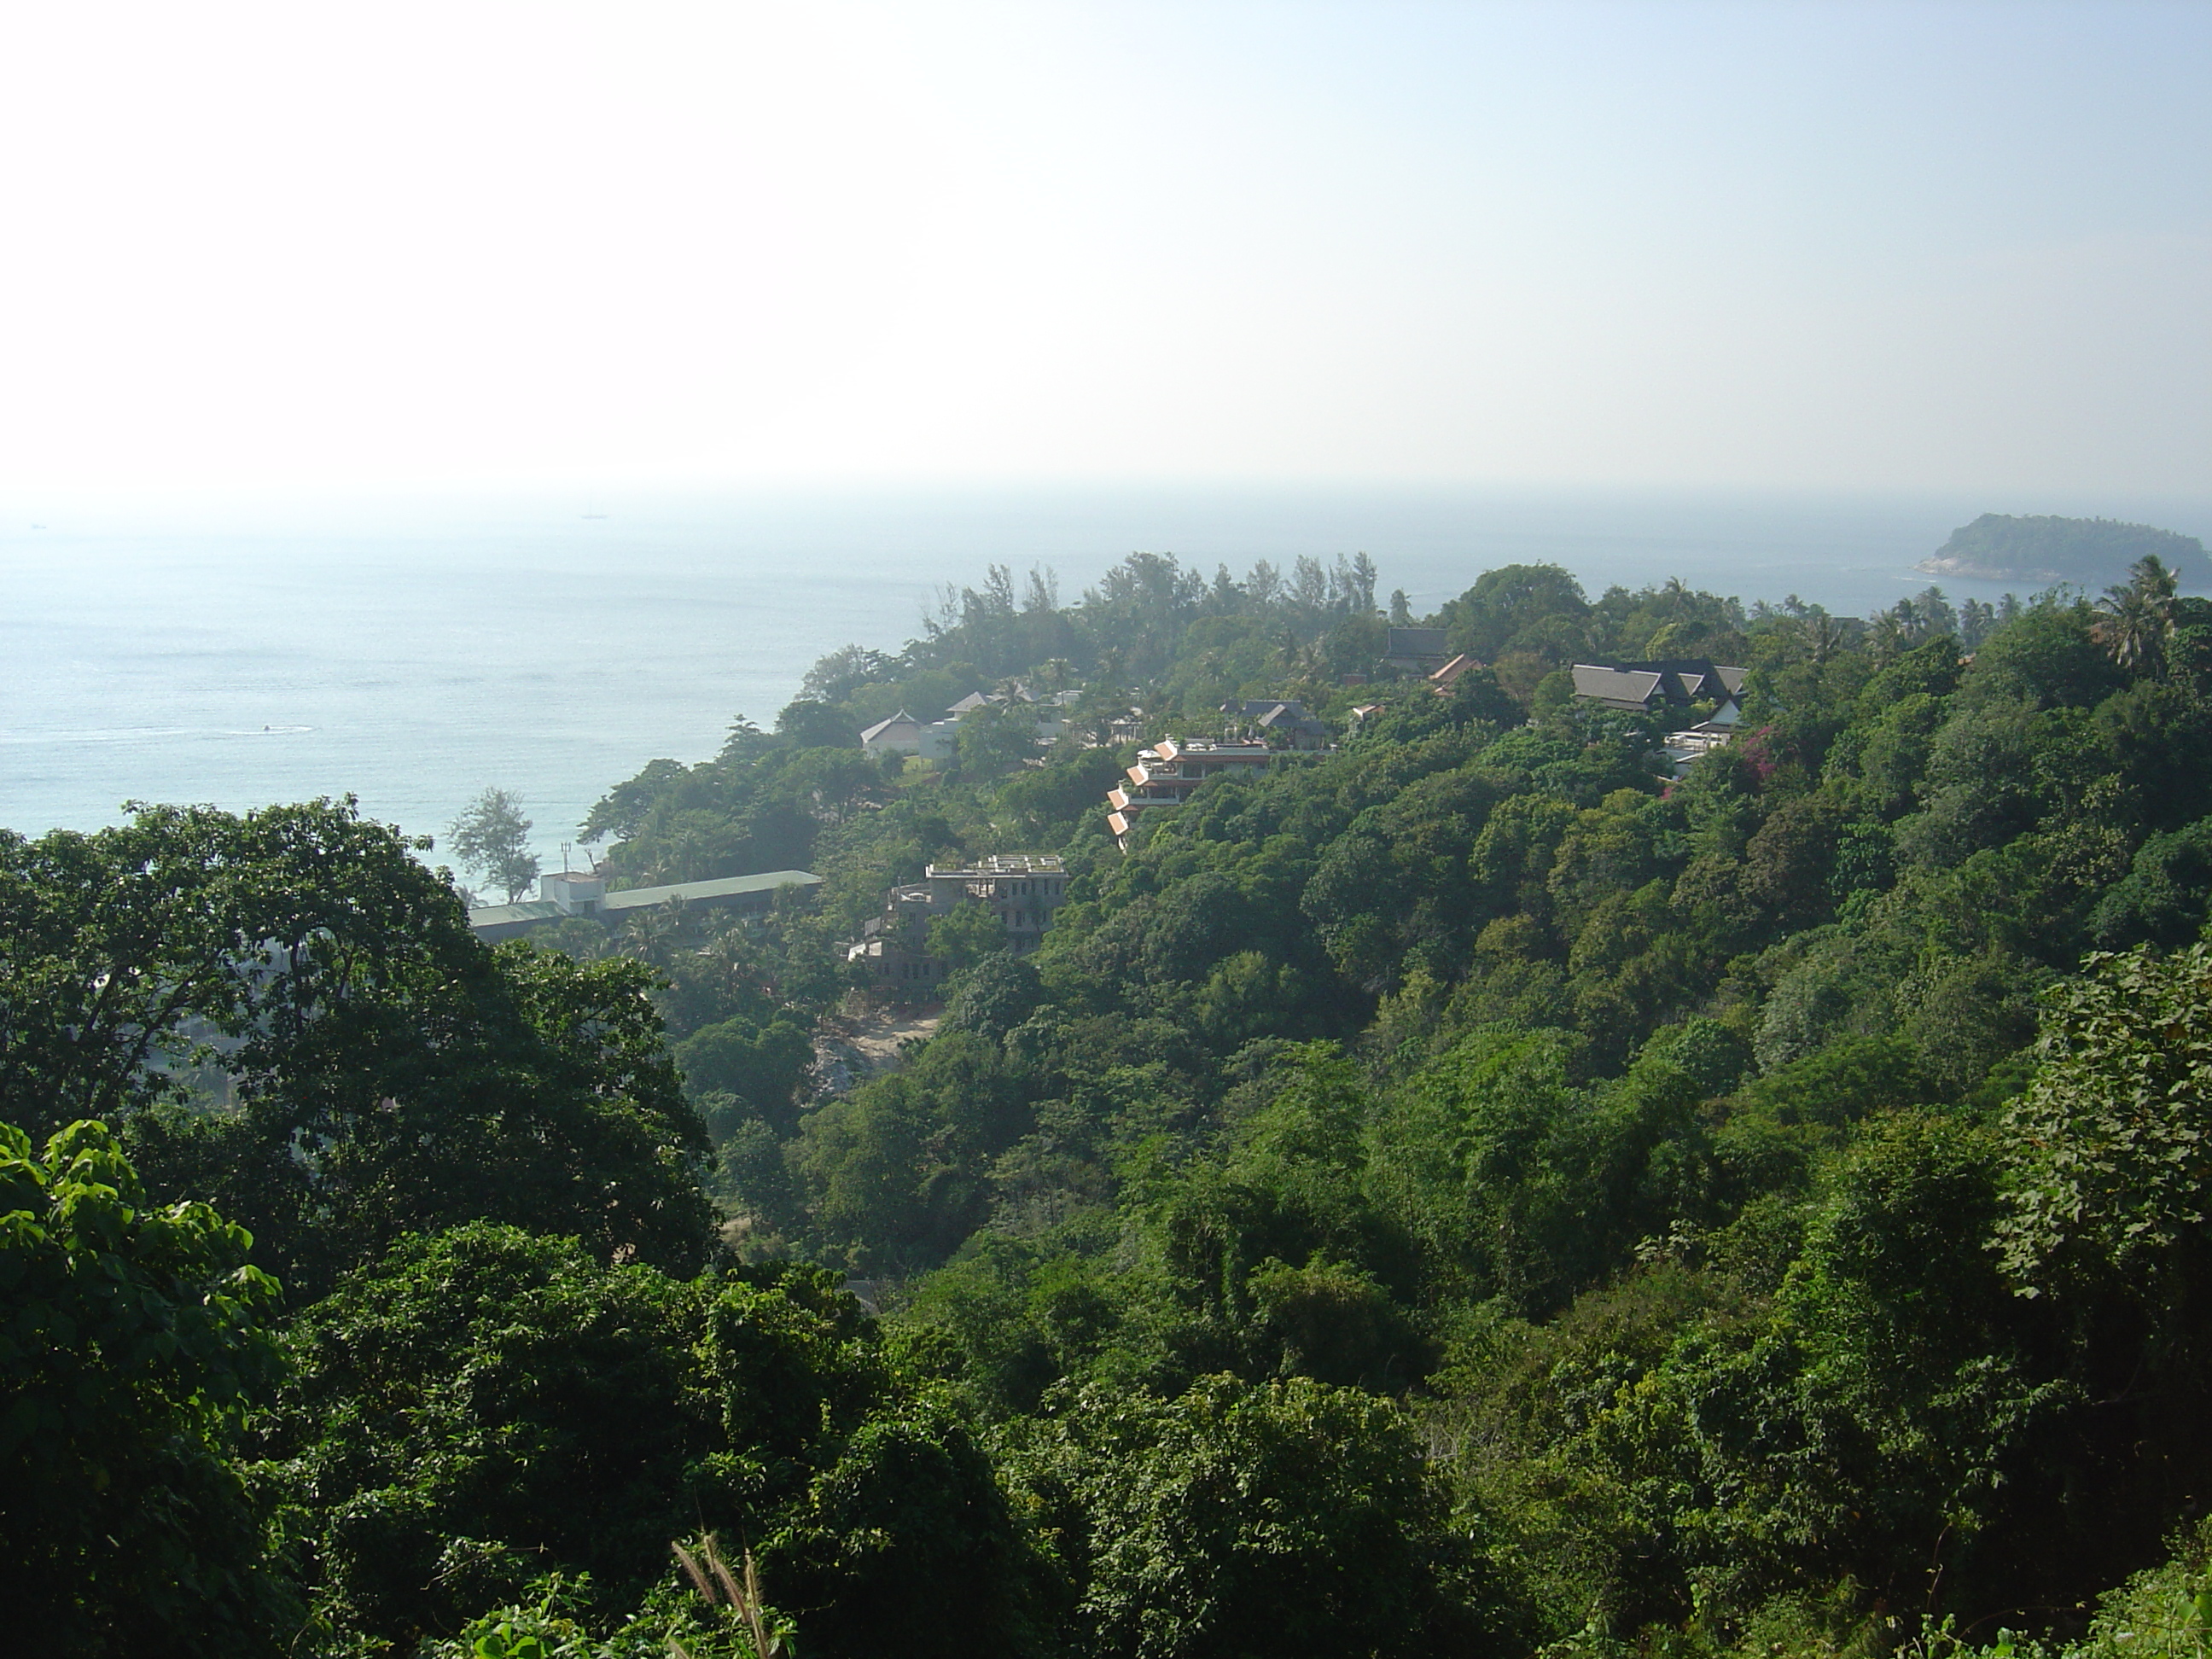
(411, 650)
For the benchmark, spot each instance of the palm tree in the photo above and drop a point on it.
(2138, 617)
(1935, 615)
(1886, 634)
(649, 934)
(1821, 633)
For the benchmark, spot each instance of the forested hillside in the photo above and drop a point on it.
(1999, 547)
(1467, 1191)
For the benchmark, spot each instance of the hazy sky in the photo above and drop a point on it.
(1853, 245)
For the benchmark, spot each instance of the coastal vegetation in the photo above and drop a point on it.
(491, 840)
(1477, 1188)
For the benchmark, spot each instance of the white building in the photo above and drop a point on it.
(903, 734)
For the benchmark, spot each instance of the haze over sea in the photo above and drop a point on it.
(412, 652)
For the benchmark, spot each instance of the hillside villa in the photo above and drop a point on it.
(1692, 685)
(1022, 890)
(1169, 772)
(902, 734)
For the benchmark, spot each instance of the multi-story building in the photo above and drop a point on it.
(1022, 889)
(1166, 773)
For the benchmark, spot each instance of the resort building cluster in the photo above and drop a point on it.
(1023, 891)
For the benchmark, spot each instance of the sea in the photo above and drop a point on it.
(413, 649)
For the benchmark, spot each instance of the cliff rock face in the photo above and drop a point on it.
(1999, 547)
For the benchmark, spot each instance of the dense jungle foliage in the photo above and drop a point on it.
(1468, 1191)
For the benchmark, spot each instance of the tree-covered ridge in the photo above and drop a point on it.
(2001, 547)
(1471, 1191)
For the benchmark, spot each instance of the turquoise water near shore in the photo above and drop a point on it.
(412, 651)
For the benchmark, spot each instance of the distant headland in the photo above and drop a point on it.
(1999, 547)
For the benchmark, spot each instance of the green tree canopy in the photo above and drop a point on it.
(2111, 1145)
(1243, 1519)
(131, 1341)
(482, 1407)
(966, 935)
(287, 1013)
(491, 838)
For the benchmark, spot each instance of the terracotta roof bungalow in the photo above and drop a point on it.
(1446, 678)
(1168, 774)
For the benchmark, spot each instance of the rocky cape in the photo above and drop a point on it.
(2001, 548)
